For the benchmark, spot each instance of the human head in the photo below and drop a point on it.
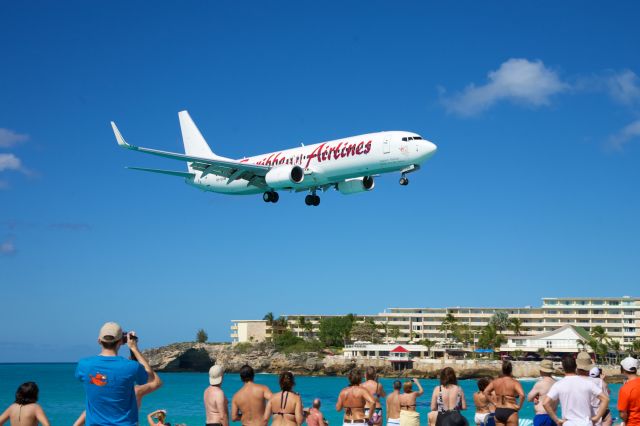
(595, 372)
(584, 363)
(448, 377)
(216, 374)
(507, 368)
(355, 377)
(110, 336)
(629, 366)
(546, 367)
(408, 386)
(316, 403)
(27, 393)
(483, 383)
(161, 416)
(370, 373)
(287, 381)
(397, 385)
(246, 373)
(569, 364)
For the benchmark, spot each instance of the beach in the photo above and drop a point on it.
(62, 396)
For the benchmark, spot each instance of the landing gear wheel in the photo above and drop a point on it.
(270, 197)
(266, 197)
(274, 197)
(308, 200)
(316, 200)
(404, 181)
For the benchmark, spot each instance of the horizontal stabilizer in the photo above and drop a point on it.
(164, 172)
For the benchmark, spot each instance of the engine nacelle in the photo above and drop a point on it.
(284, 176)
(353, 186)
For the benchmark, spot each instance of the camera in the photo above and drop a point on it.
(125, 337)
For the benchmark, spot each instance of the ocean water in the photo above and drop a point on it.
(62, 397)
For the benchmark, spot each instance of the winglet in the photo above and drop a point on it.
(119, 137)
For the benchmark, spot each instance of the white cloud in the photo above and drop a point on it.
(7, 248)
(629, 132)
(624, 87)
(9, 162)
(517, 80)
(10, 138)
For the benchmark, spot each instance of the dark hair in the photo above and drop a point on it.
(109, 345)
(507, 367)
(408, 386)
(355, 376)
(569, 364)
(287, 381)
(448, 377)
(27, 393)
(370, 373)
(483, 383)
(247, 373)
(397, 385)
(316, 403)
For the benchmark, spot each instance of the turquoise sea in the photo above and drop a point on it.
(63, 397)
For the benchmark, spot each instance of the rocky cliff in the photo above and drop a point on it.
(199, 357)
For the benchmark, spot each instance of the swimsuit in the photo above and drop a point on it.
(441, 406)
(284, 397)
(503, 414)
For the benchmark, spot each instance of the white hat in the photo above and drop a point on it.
(594, 372)
(215, 375)
(629, 364)
(110, 332)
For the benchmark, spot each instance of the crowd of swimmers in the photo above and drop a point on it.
(115, 386)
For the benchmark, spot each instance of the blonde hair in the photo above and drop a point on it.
(161, 416)
(408, 386)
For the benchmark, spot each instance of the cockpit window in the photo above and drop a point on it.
(417, 138)
(404, 139)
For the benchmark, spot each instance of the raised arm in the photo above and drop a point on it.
(133, 346)
(420, 390)
(41, 416)
(150, 417)
(80, 420)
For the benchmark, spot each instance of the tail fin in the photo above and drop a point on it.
(194, 143)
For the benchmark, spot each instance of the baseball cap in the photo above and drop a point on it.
(594, 372)
(546, 366)
(630, 364)
(583, 361)
(215, 375)
(110, 332)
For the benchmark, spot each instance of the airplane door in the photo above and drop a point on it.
(386, 145)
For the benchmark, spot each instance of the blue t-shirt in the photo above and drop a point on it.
(109, 384)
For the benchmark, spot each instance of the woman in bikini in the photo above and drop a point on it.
(448, 399)
(25, 411)
(354, 399)
(484, 404)
(377, 391)
(409, 416)
(285, 406)
(509, 396)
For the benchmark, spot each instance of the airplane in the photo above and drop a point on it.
(348, 165)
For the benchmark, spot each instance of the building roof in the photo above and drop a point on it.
(578, 330)
(399, 349)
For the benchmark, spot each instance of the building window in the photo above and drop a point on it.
(549, 344)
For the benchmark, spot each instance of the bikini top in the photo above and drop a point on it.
(441, 405)
(284, 397)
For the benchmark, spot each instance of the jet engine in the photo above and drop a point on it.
(353, 186)
(284, 176)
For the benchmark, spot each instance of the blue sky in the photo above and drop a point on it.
(535, 109)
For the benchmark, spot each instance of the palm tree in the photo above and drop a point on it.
(429, 344)
(301, 322)
(448, 325)
(515, 325)
(614, 345)
(500, 321)
(308, 328)
(599, 333)
(635, 346)
(599, 341)
(269, 318)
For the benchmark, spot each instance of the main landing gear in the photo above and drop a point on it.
(404, 181)
(270, 197)
(312, 199)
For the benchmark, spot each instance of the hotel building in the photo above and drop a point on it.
(619, 316)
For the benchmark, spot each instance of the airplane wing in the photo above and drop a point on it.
(232, 169)
(164, 172)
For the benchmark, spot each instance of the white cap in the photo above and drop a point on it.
(110, 332)
(215, 375)
(630, 364)
(594, 372)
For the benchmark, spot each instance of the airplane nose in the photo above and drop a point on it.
(431, 147)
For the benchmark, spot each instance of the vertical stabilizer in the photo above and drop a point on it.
(194, 143)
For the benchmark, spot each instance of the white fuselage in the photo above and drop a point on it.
(334, 161)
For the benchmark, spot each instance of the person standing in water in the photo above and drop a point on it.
(315, 416)
(249, 403)
(376, 390)
(354, 399)
(409, 416)
(216, 405)
(25, 411)
(509, 396)
(286, 405)
(539, 391)
(393, 405)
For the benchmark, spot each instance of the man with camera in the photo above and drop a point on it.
(109, 379)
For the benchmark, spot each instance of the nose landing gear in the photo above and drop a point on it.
(404, 181)
(270, 197)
